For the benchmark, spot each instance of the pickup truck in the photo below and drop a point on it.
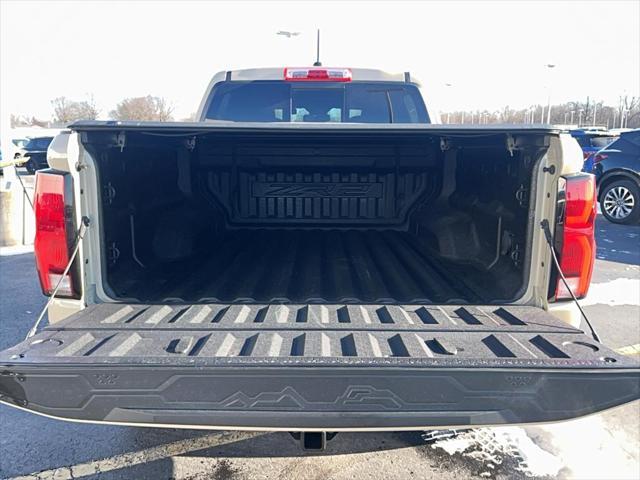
(315, 254)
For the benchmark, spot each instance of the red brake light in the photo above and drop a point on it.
(598, 157)
(317, 74)
(54, 233)
(578, 242)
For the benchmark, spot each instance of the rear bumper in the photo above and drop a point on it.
(316, 398)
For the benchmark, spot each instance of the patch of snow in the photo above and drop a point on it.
(15, 250)
(593, 449)
(490, 447)
(621, 291)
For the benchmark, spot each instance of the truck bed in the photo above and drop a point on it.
(383, 266)
(305, 367)
(274, 214)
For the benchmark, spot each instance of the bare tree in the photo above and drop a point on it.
(583, 113)
(25, 121)
(19, 121)
(630, 107)
(147, 108)
(67, 111)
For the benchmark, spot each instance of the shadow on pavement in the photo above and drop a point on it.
(617, 243)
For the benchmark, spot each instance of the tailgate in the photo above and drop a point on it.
(305, 367)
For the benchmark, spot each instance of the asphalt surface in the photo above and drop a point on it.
(601, 446)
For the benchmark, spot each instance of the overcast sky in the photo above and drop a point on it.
(493, 53)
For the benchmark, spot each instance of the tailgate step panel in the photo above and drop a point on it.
(305, 367)
(314, 334)
(438, 348)
(304, 317)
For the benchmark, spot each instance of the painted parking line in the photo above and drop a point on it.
(131, 459)
(629, 349)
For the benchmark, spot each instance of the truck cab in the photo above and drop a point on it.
(314, 95)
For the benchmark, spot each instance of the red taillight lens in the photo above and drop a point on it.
(586, 155)
(598, 157)
(317, 74)
(54, 233)
(578, 242)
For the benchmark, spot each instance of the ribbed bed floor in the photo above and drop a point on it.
(307, 266)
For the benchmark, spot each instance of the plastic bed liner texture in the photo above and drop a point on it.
(321, 266)
(328, 367)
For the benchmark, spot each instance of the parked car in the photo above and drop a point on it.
(19, 144)
(591, 140)
(316, 254)
(617, 171)
(34, 153)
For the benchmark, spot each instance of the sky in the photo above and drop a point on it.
(492, 53)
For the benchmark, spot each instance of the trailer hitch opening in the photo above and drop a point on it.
(313, 440)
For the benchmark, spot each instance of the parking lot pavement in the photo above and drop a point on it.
(604, 446)
(27, 178)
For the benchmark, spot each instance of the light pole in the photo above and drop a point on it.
(595, 112)
(449, 86)
(550, 66)
(572, 112)
(565, 117)
(580, 116)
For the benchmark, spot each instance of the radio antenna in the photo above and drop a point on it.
(318, 63)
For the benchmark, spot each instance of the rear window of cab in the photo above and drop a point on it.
(280, 101)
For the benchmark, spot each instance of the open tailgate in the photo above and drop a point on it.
(324, 367)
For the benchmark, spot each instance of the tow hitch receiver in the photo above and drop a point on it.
(313, 440)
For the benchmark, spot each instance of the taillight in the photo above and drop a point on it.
(598, 157)
(577, 242)
(55, 233)
(586, 155)
(315, 74)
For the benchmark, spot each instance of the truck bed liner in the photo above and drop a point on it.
(328, 266)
